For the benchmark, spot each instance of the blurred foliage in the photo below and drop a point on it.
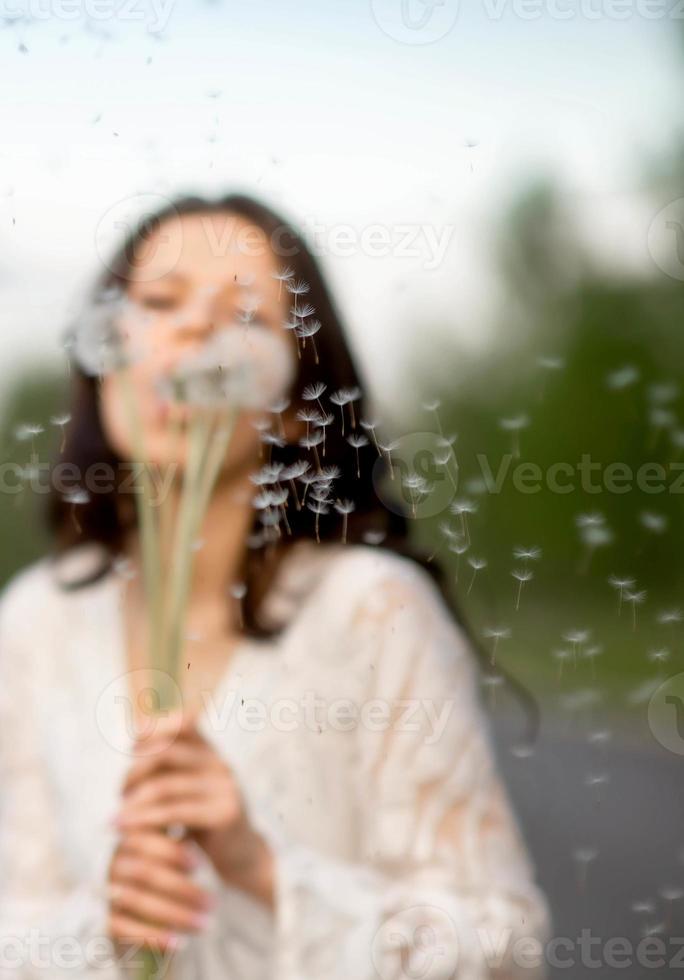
(590, 366)
(31, 398)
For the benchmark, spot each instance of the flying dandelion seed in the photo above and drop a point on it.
(371, 426)
(551, 363)
(279, 500)
(238, 591)
(374, 537)
(313, 392)
(635, 599)
(662, 394)
(670, 618)
(294, 472)
(461, 508)
(670, 894)
(577, 638)
(447, 455)
(388, 448)
(492, 682)
(308, 331)
(27, 432)
(600, 737)
(624, 377)
(594, 534)
(344, 507)
(527, 554)
(590, 654)
(277, 408)
(433, 407)
(677, 440)
(313, 441)
(297, 287)
(309, 479)
(417, 487)
(660, 420)
(496, 634)
(357, 441)
(347, 396)
(515, 425)
(521, 575)
(561, 655)
(595, 781)
(308, 415)
(76, 498)
(458, 548)
(657, 523)
(61, 422)
(446, 534)
(583, 857)
(283, 276)
(477, 564)
(319, 508)
(323, 422)
(621, 584)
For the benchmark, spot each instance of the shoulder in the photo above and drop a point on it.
(377, 579)
(37, 596)
(346, 587)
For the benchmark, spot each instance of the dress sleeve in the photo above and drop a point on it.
(443, 886)
(49, 924)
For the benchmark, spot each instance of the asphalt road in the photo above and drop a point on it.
(604, 821)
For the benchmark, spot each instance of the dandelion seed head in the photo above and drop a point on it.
(653, 522)
(313, 391)
(624, 377)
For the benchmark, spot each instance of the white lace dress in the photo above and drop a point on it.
(361, 749)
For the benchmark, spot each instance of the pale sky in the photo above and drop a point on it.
(319, 108)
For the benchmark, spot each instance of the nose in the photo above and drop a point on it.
(195, 320)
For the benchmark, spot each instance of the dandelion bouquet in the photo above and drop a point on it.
(240, 367)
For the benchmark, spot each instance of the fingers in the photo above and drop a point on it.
(125, 929)
(179, 755)
(172, 725)
(153, 897)
(198, 814)
(159, 895)
(158, 848)
(167, 787)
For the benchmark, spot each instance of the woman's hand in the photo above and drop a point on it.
(179, 779)
(153, 899)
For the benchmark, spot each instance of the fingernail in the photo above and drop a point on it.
(176, 943)
(201, 921)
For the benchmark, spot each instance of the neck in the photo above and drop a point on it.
(221, 542)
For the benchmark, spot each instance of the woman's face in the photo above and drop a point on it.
(194, 275)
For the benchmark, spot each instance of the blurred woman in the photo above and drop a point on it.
(326, 801)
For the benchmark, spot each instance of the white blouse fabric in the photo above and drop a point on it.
(361, 749)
